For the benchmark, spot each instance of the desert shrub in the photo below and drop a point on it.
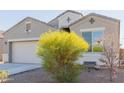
(3, 76)
(97, 48)
(59, 50)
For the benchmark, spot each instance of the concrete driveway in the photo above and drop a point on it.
(14, 68)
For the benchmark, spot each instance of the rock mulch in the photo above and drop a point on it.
(40, 76)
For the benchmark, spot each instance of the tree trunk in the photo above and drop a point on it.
(65, 72)
(111, 79)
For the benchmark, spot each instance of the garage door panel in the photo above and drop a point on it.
(25, 52)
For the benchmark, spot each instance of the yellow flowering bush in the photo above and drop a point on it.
(3, 75)
(59, 50)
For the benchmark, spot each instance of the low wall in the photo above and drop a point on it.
(91, 57)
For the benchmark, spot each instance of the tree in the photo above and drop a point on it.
(110, 58)
(59, 50)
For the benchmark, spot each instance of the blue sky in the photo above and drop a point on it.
(10, 18)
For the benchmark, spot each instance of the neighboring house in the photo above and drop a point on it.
(1, 45)
(121, 53)
(20, 40)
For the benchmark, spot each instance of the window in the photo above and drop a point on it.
(28, 27)
(94, 39)
(97, 38)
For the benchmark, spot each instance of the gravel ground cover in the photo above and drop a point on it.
(41, 76)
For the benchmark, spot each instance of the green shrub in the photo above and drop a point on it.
(3, 76)
(97, 48)
(59, 50)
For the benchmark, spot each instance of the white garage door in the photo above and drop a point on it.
(25, 52)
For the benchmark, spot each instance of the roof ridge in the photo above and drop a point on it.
(105, 16)
(37, 20)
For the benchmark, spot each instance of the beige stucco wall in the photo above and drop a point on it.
(18, 32)
(111, 32)
(63, 19)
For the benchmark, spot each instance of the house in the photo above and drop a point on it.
(20, 40)
(1, 45)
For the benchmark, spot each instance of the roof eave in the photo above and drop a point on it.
(25, 19)
(94, 14)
